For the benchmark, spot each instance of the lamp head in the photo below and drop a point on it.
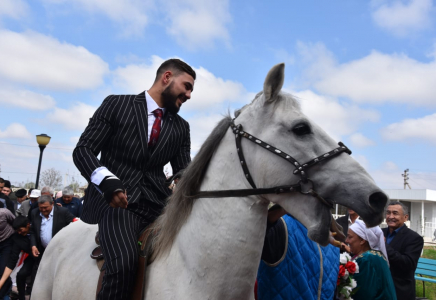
(43, 139)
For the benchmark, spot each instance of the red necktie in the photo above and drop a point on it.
(155, 131)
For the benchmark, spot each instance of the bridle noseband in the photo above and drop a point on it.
(304, 185)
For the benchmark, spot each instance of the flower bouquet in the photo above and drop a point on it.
(346, 283)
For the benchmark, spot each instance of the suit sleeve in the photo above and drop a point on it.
(69, 217)
(95, 136)
(183, 158)
(408, 259)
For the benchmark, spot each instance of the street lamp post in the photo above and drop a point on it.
(42, 141)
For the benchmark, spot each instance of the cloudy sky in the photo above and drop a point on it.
(364, 70)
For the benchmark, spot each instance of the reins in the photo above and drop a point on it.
(304, 186)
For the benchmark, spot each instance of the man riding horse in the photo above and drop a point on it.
(137, 135)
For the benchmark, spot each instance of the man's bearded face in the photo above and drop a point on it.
(171, 99)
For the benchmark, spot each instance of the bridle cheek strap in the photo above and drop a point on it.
(300, 169)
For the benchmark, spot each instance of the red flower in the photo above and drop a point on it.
(351, 267)
(341, 271)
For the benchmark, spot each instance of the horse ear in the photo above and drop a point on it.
(274, 82)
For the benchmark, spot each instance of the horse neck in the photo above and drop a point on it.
(230, 230)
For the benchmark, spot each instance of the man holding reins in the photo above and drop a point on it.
(137, 135)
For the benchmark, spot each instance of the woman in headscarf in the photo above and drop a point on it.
(374, 279)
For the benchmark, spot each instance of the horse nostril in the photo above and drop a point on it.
(378, 201)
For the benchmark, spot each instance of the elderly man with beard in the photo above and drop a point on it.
(137, 135)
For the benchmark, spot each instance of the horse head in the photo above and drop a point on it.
(275, 118)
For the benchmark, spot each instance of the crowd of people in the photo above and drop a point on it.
(28, 222)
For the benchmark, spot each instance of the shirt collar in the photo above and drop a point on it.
(151, 104)
(396, 230)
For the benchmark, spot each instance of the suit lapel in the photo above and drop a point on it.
(167, 128)
(140, 110)
(398, 236)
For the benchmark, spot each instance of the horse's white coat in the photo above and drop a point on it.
(217, 252)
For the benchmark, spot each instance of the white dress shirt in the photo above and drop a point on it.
(46, 228)
(100, 173)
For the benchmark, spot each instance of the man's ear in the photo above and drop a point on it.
(166, 77)
(407, 217)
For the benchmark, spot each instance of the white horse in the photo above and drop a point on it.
(210, 248)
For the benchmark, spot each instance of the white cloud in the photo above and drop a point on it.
(411, 129)
(75, 117)
(43, 61)
(337, 119)
(375, 78)
(198, 23)
(15, 131)
(360, 141)
(130, 15)
(15, 9)
(201, 126)
(26, 99)
(209, 90)
(403, 17)
(193, 24)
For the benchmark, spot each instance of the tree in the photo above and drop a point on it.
(52, 178)
(74, 185)
(28, 185)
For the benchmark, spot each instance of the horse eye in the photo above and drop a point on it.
(301, 129)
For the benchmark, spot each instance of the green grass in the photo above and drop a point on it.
(430, 288)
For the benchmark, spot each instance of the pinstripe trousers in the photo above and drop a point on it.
(118, 233)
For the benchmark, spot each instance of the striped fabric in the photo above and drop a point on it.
(118, 130)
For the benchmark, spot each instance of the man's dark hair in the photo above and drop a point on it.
(404, 207)
(175, 65)
(20, 221)
(7, 184)
(2, 180)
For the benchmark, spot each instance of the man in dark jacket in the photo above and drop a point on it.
(20, 242)
(73, 204)
(404, 246)
(47, 221)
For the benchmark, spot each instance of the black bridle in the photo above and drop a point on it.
(304, 185)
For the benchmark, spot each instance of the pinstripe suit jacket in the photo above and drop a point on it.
(118, 130)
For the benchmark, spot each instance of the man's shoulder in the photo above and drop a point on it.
(60, 209)
(181, 120)
(409, 233)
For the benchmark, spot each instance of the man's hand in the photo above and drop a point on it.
(114, 192)
(119, 199)
(35, 251)
(345, 247)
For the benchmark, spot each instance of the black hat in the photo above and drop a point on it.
(21, 193)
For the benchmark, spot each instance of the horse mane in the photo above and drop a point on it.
(180, 203)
